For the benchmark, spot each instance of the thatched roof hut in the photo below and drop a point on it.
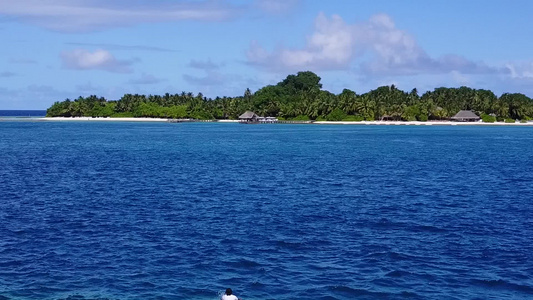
(465, 116)
(248, 117)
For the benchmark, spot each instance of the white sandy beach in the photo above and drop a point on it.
(228, 121)
(434, 123)
(427, 123)
(103, 119)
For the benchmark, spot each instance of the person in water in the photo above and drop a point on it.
(229, 295)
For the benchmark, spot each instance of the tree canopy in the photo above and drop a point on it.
(301, 96)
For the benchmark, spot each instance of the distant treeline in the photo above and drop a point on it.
(301, 97)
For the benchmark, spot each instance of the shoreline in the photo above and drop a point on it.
(91, 119)
(416, 123)
(99, 119)
(419, 123)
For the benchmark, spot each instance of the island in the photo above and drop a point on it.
(300, 97)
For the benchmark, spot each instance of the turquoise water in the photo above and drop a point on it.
(173, 211)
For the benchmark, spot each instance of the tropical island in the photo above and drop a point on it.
(300, 97)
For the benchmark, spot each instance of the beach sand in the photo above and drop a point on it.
(104, 119)
(428, 123)
(434, 123)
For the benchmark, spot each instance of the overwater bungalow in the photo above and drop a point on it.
(465, 116)
(252, 118)
(249, 117)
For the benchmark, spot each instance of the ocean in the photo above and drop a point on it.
(183, 211)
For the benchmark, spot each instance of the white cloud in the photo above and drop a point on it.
(331, 46)
(81, 59)
(375, 47)
(89, 15)
(460, 78)
(522, 70)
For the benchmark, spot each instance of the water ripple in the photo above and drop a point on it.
(166, 211)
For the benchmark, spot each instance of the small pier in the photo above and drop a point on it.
(294, 122)
(181, 120)
(188, 120)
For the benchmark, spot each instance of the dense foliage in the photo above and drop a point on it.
(301, 97)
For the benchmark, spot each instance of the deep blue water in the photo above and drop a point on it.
(22, 113)
(182, 211)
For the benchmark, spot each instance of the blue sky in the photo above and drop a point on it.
(58, 49)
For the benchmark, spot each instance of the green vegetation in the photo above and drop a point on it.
(300, 118)
(353, 118)
(300, 97)
(488, 118)
(336, 115)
